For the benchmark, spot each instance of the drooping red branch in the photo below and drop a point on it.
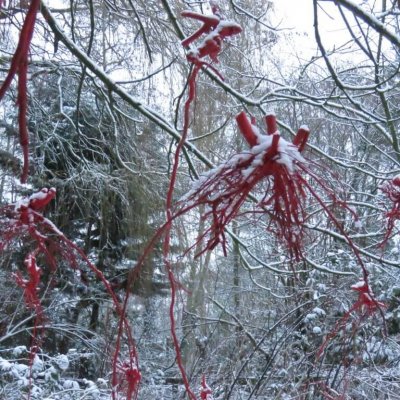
(216, 31)
(285, 174)
(19, 66)
(32, 301)
(31, 285)
(168, 227)
(23, 220)
(271, 160)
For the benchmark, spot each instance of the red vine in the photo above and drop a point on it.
(216, 30)
(19, 66)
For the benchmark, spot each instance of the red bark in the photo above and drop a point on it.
(19, 66)
(246, 129)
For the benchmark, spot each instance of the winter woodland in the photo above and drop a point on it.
(199, 200)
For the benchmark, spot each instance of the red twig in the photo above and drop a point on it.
(19, 66)
(365, 306)
(216, 30)
(205, 391)
(168, 227)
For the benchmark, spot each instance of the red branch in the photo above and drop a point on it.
(271, 160)
(205, 391)
(216, 30)
(31, 286)
(365, 306)
(19, 66)
(24, 220)
(278, 163)
(168, 227)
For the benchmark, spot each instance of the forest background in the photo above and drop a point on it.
(107, 82)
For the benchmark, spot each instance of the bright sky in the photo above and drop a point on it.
(299, 16)
(295, 13)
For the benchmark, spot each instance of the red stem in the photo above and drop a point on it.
(270, 122)
(19, 65)
(301, 138)
(209, 23)
(167, 239)
(246, 129)
(124, 326)
(22, 120)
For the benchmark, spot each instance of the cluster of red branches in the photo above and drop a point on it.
(24, 221)
(279, 165)
(286, 176)
(271, 161)
(215, 29)
(19, 67)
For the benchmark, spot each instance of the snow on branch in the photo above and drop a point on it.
(370, 20)
(271, 160)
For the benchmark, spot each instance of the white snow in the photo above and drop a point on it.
(358, 224)
(5, 365)
(70, 384)
(37, 364)
(310, 317)
(50, 374)
(42, 194)
(288, 155)
(62, 362)
(358, 285)
(319, 311)
(91, 389)
(17, 351)
(317, 330)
